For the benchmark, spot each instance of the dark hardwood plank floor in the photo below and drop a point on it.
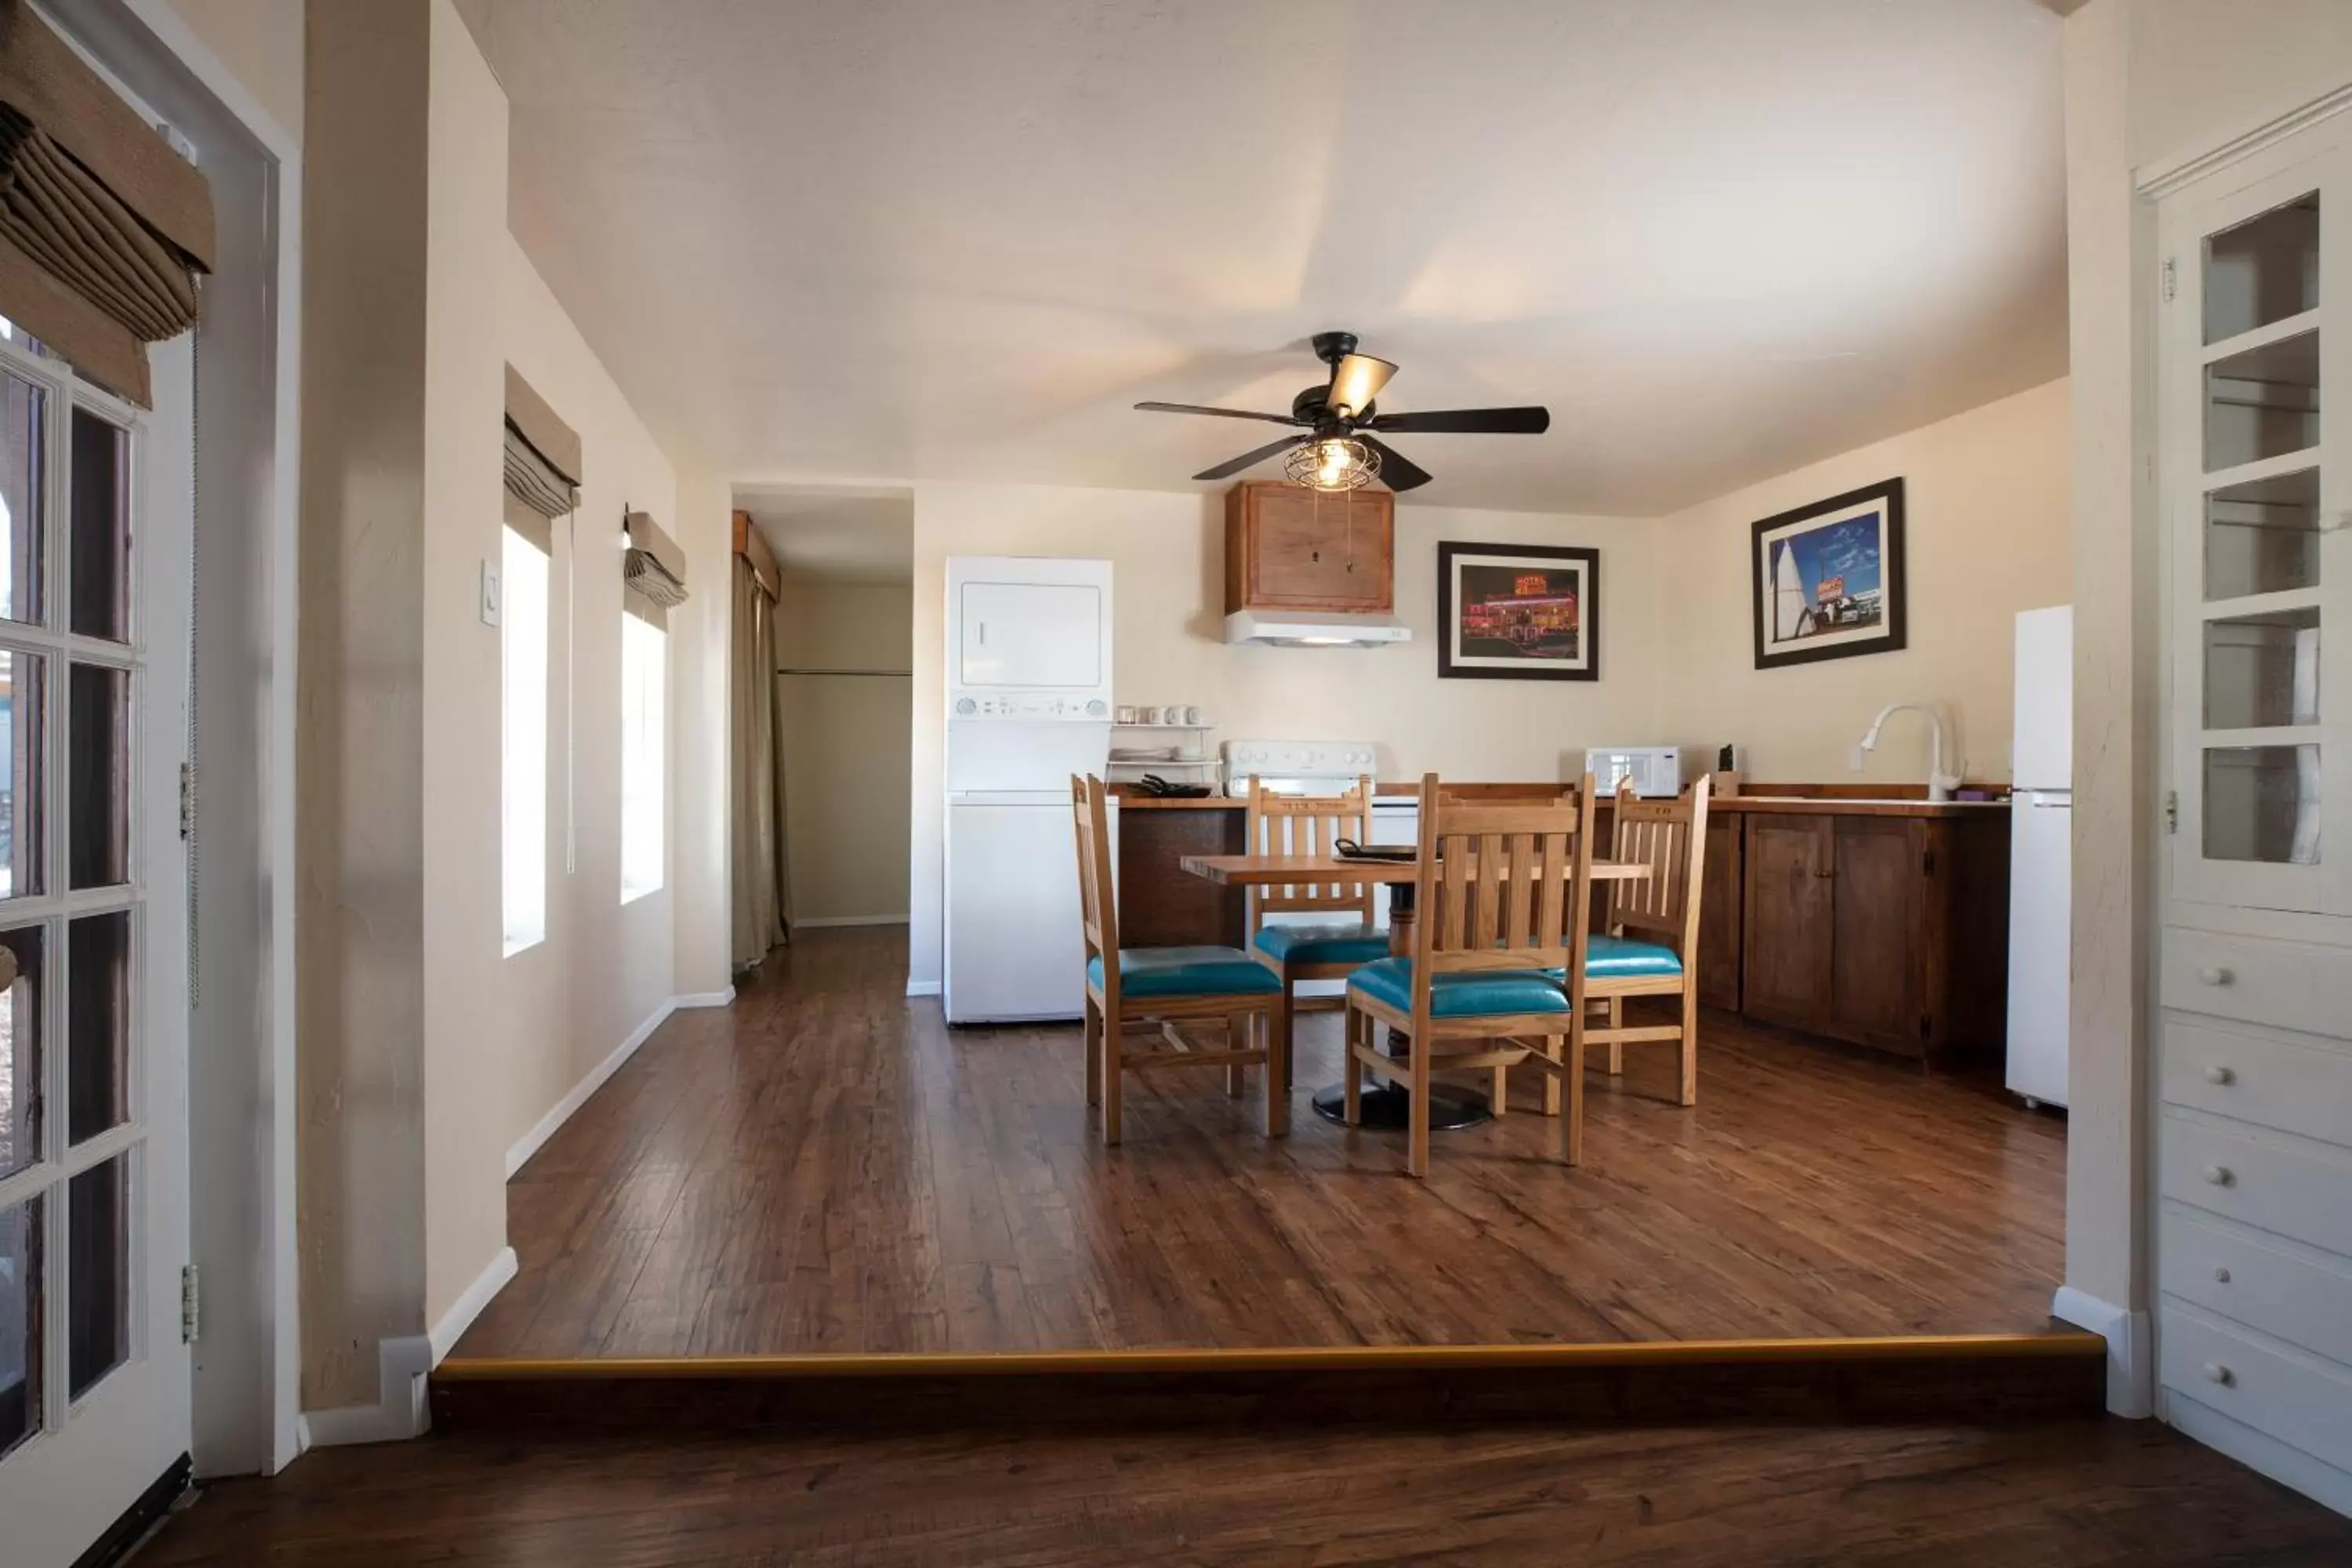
(826, 1166)
(2054, 1496)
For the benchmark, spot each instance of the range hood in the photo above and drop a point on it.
(1314, 629)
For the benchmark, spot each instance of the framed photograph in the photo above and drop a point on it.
(1828, 578)
(1518, 612)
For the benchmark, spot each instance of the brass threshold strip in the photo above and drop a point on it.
(2056, 1346)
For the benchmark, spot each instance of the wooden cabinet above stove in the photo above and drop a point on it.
(1291, 548)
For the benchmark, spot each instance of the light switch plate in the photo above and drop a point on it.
(489, 593)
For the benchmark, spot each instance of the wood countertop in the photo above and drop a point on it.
(1891, 802)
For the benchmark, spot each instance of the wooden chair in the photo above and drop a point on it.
(1499, 951)
(1329, 949)
(1650, 947)
(1165, 987)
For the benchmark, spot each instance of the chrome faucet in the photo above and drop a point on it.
(1940, 784)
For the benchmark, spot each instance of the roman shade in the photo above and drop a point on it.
(102, 226)
(543, 463)
(652, 568)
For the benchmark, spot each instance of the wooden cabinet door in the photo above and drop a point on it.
(1719, 914)
(1785, 972)
(1306, 551)
(1880, 887)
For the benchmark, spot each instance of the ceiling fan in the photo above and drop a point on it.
(1341, 447)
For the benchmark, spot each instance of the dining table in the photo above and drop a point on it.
(1384, 1107)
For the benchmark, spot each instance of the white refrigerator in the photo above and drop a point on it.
(2041, 855)
(1029, 687)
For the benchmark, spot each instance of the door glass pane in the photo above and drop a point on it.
(2262, 803)
(20, 1322)
(2263, 670)
(21, 696)
(2262, 536)
(24, 418)
(20, 1048)
(100, 574)
(97, 759)
(2264, 271)
(98, 1249)
(2263, 402)
(98, 1024)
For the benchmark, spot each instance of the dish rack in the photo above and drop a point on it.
(1136, 748)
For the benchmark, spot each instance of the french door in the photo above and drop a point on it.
(96, 504)
(2256, 390)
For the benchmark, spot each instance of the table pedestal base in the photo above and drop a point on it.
(1384, 1108)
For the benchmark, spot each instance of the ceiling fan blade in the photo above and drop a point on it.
(1226, 470)
(1220, 413)
(1356, 380)
(1397, 471)
(1469, 422)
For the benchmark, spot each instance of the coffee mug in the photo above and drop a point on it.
(1127, 714)
(1192, 715)
(1147, 715)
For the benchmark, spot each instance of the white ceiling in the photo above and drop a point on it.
(900, 239)
(843, 532)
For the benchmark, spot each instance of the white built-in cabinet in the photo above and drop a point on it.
(2254, 1082)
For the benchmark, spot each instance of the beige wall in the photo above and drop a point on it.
(1985, 502)
(565, 1004)
(260, 41)
(360, 830)
(464, 399)
(1167, 551)
(2201, 71)
(424, 1056)
(846, 740)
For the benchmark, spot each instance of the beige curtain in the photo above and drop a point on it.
(755, 809)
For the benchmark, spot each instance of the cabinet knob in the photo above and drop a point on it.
(2216, 1373)
(2217, 1073)
(2220, 1275)
(2220, 1175)
(2214, 975)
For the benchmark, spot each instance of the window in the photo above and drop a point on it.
(522, 769)
(645, 753)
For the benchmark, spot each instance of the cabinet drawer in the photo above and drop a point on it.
(2298, 1191)
(2287, 985)
(2233, 1275)
(2291, 1398)
(2256, 1078)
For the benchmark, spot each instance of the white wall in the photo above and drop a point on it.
(2200, 71)
(846, 741)
(1985, 535)
(1167, 589)
(567, 1003)
(260, 42)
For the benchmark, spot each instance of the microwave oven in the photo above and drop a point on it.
(1656, 771)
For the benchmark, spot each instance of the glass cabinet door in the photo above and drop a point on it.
(2256, 400)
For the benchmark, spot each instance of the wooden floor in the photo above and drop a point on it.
(827, 1167)
(2050, 1496)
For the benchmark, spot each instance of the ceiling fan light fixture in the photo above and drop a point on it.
(1333, 463)
(1356, 380)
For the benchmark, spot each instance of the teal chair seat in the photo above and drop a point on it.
(1622, 958)
(1351, 942)
(1187, 971)
(1470, 994)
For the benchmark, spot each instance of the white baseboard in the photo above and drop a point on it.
(529, 1144)
(467, 1307)
(2315, 1479)
(922, 987)
(813, 923)
(704, 998)
(2131, 1371)
(400, 1412)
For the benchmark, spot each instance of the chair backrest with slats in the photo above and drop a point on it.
(1310, 824)
(1502, 885)
(1670, 837)
(1098, 907)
